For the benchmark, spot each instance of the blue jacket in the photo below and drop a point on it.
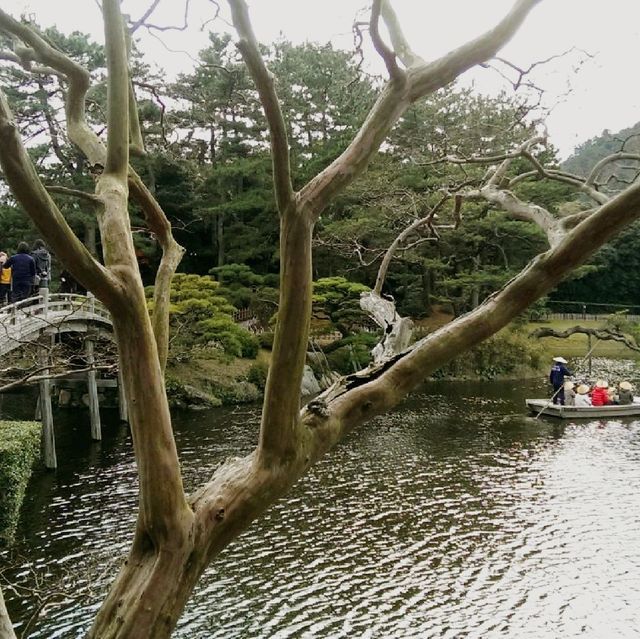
(23, 268)
(558, 373)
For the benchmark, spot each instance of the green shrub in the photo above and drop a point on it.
(19, 449)
(351, 353)
(239, 284)
(257, 375)
(201, 315)
(234, 339)
(338, 299)
(266, 340)
(507, 353)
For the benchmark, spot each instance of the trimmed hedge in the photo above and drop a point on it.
(19, 449)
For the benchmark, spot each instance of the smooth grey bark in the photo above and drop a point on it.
(6, 627)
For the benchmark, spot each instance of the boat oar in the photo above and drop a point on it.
(561, 387)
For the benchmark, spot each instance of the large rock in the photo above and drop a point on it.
(196, 398)
(309, 385)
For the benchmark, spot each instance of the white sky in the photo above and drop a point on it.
(605, 91)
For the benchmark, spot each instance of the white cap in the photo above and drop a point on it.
(560, 360)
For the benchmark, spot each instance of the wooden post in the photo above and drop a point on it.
(44, 293)
(92, 302)
(48, 439)
(589, 346)
(122, 398)
(94, 405)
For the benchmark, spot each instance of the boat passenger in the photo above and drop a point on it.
(582, 396)
(558, 372)
(569, 394)
(625, 393)
(600, 395)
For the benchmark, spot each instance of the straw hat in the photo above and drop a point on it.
(625, 385)
(601, 383)
(560, 360)
(583, 389)
(568, 385)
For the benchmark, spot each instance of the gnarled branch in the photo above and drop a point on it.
(598, 333)
(264, 81)
(396, 97)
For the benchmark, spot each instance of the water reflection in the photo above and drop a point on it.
(455, 516)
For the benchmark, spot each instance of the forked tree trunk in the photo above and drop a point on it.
(160, 573)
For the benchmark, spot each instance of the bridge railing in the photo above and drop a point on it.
(49, 306)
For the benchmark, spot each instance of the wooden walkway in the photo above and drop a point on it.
(39, 319)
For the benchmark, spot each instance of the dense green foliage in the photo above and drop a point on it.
(592, 151)
(338, 299)
(612, 276)
(19, 449)
(507, 354)
(352, 353)
(201, 316)
(208, 164)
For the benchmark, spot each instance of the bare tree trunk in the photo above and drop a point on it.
(90, 236)
(426, 279)
(220, 238)
(397, 331)
(6, 627)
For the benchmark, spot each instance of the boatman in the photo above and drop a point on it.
(558, 372)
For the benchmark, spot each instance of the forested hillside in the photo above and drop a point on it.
(208, 164)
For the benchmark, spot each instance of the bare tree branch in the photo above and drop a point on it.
(83, 195)
(117, 92)
(396, 98)
(599, 333)
(264, 81)
(614, 157)
(396, 245)
(400, 44)
(143, 18)
(32, 195)
(339, 409)
(388, 56)
(91, 145)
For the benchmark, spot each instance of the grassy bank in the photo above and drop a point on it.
(205, 381)
(19, 449)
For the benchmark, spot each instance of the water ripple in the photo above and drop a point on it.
(456, 516)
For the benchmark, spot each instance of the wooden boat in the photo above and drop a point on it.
(544, 407)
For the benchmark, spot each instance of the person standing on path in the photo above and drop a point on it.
(42, 258)
(5, 280)
(558, 372)
(23, 270)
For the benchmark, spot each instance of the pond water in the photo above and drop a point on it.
(455, 516)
